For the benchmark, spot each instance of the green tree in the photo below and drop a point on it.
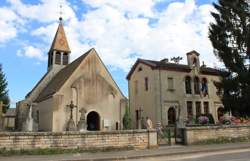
(127, 121)
(230, 37)
(3, 90)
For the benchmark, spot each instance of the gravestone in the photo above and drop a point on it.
(81, 126)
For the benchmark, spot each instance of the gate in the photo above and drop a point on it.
(170, 135)
(164, 136)
(179, 136)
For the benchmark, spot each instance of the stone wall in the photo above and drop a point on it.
(195, 135)
(138, 139)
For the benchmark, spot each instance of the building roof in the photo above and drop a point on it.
(172, 67)
(193, 52)
(11, 112)
(60, 42)
(36, 85)
(60, 78)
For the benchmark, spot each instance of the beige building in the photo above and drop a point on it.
(167, 91)
(7, 119)
(96, 101)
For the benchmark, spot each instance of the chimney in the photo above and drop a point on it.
(165, 60)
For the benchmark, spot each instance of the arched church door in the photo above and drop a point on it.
(93, 121)
(171, 116)
(220, 112)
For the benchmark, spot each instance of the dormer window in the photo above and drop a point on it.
(194, 62)
(193, 59)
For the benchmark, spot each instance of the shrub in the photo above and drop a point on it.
(203, 120)
(127, 121)
(209, 116)
(225, 120)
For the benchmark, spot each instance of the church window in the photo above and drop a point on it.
(74, 96)
(146, 83)
(50, 59)
(170, 83)
(194, 61)
(58, 58)
(206, 107)
(204, 87)
(65, 59)
(188, 85)
(198, 108)
(196, 85)
(189, 109)
(139, 69)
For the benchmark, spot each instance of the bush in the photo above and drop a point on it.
(227, 120)
(127, 121)
(209, 116)
(203, 120)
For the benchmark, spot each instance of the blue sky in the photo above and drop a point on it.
(120, 31)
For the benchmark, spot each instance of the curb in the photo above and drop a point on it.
(162, 154)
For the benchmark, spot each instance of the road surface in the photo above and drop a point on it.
(231, 155)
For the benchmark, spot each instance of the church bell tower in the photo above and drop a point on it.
(58, 56)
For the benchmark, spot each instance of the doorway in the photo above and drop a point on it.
(171, 116)
(93, 121)
(220, 112)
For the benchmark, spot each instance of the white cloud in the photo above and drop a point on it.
(181, 27)
(32, 52)
(8, 30)
(121, 30)
(44, 11)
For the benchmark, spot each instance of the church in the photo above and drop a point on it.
(81, 95)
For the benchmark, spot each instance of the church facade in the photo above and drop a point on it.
(167, 92)
(81, 95)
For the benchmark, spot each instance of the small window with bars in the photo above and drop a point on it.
(65, 59)
(58, 58)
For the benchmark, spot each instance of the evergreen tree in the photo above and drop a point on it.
(127, 121)
(230, 37)
(3, 90)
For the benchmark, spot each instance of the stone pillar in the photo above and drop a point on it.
(54, 58)
(152, 139)
(61, 58)
(194, 108)
(202, 107)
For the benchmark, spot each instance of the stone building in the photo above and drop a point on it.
(7, 119)
(78, 95)
(167, 92)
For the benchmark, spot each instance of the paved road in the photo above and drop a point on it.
(231, 155)
(225, 152)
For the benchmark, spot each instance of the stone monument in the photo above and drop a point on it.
(30, 124)
(71, 124)
(81, 126)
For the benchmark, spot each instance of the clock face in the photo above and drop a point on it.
(61, 42)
